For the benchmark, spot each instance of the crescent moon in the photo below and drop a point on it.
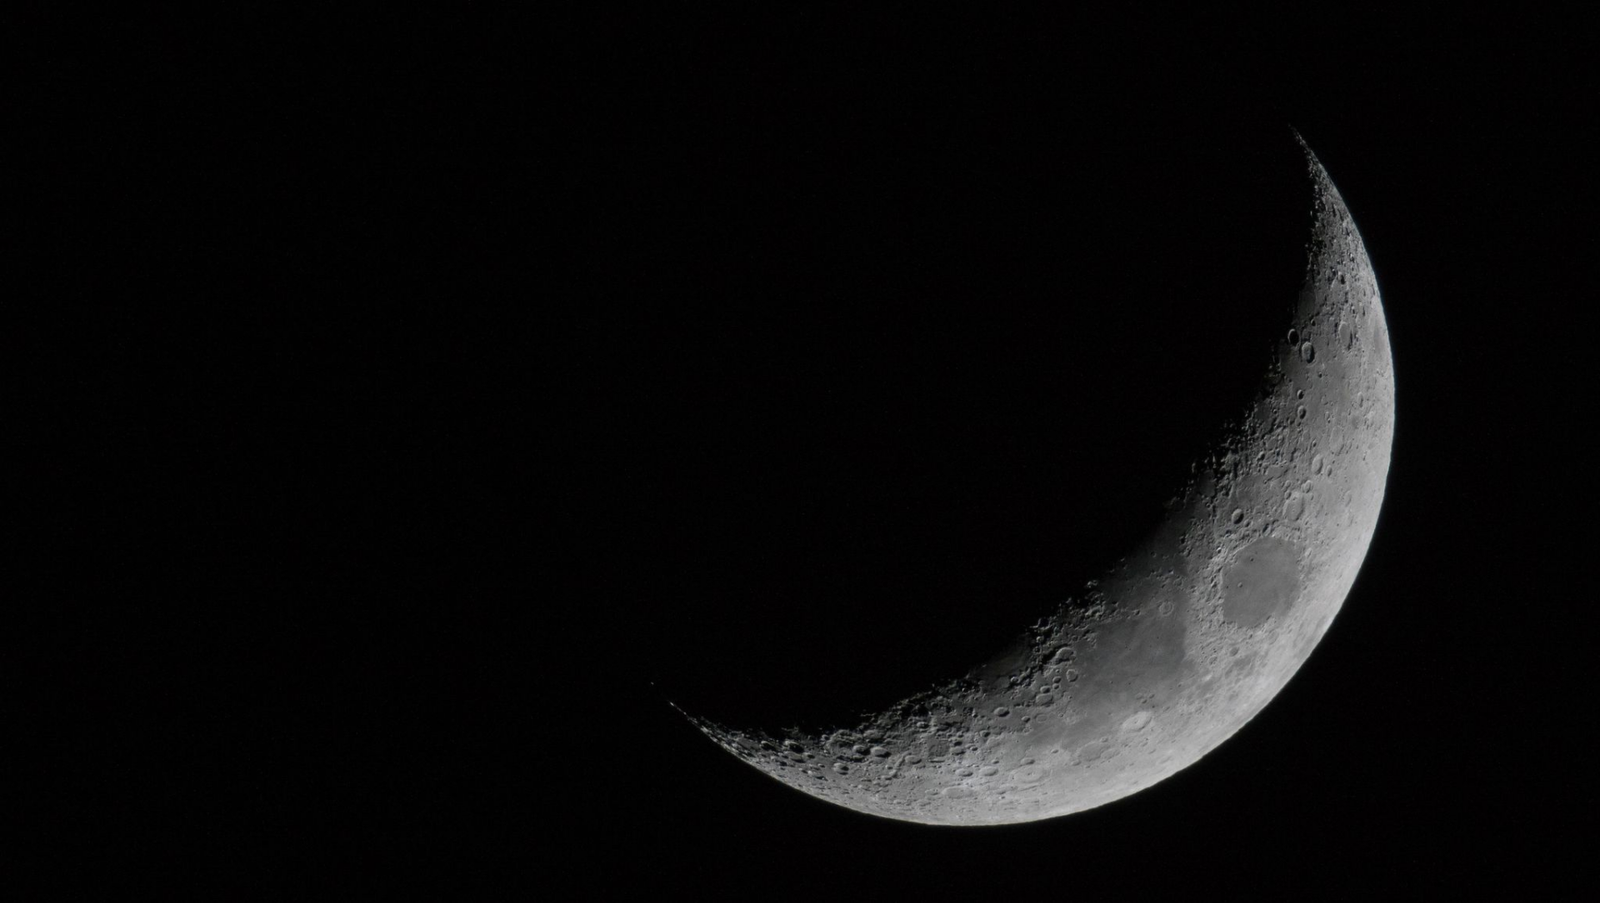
(1190, 635)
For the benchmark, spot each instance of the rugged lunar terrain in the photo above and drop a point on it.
(1160, 660)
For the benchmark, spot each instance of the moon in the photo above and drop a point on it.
(1171, 651)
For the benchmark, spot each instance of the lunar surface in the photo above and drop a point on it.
(1165, 656)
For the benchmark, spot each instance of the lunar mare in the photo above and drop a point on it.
(1190, 635)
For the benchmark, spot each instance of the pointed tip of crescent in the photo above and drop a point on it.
(704, 725)
(693, 719)
(1301, 140)
(1317, 169)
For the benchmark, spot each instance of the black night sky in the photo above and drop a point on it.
(415, 405)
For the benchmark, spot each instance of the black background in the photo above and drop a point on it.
(415, 405)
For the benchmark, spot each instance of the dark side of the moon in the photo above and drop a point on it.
(891, 393)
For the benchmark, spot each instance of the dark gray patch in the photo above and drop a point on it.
(1145, 654)
(1261, 582)
(1138, 663)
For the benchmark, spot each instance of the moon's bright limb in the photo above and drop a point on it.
(1190, 635)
